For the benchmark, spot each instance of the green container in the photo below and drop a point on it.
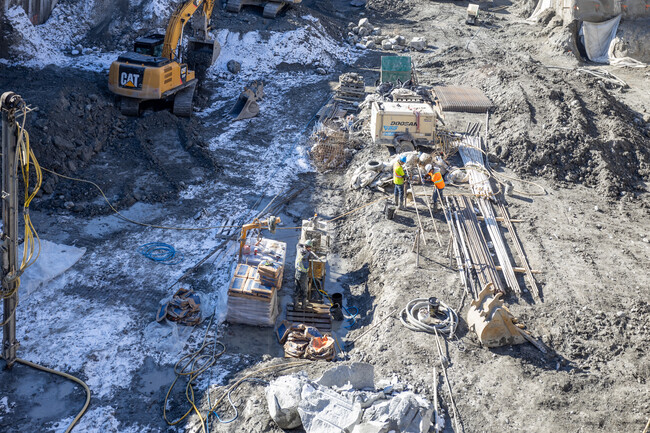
(395, 68)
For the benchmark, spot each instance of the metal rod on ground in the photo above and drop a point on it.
(459, 260)
(457, 422)
(417, 251)
(375, 325)
(415, 205)
(435, 398)
(487, 132)
(520, 251)
(426, 201)
(9, 105)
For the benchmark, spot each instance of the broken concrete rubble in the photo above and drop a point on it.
(345, 398)
(418, 43)
(282, 397)
(358, 375)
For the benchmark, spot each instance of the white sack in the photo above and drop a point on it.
(597, 37)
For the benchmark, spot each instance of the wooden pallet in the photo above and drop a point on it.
(316, 315)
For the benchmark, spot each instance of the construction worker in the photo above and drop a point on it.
(399, 176)
(303, 254)
(433, 174)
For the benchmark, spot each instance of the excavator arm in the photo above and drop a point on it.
(179, 19)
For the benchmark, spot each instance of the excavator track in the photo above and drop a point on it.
(271, 9)
(183, 101)
(234, 6)
(130, 106)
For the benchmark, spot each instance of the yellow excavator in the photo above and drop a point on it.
(156, 70)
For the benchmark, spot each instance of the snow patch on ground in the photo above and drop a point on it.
(100, 342)
(33, 49)
(265, 51)
(99, 420)
(4, 406)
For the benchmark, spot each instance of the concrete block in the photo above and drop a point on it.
(358, 375)
(323, 410)
(283, 397)
(418, 43)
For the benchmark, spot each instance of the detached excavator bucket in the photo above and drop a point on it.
(246, 105)
(492, 322)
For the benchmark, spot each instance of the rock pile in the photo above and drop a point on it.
(346, 398)
(363, 35)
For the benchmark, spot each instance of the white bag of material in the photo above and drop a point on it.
(542, 5)
(597, 37)
(457, 176)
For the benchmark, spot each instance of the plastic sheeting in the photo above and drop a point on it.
(597, 37)
(54, 260)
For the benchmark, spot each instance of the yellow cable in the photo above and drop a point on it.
(193, 360)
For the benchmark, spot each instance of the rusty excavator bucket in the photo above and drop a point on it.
(246, 105)
(492, 322)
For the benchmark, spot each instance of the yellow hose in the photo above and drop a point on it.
(67, 376)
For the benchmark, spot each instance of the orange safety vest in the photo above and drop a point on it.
(438, 181)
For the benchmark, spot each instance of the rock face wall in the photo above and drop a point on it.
(38, 11)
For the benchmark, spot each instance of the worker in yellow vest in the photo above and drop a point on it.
(399, 176)
(304, 256)
(433, 175)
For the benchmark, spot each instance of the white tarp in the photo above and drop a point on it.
(597, 37)
(542, 5)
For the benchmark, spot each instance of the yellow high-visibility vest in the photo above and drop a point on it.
(398, 174)
(300, 256)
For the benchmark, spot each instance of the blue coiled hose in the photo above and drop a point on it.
(162, 253)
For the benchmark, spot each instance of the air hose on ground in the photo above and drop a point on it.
(162, 253)
(412, 319)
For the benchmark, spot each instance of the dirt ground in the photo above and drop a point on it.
(585, 141)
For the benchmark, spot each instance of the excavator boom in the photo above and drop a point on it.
(177, 23)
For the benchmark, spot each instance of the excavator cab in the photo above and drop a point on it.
(150, 45)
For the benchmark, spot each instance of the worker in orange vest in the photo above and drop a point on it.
(438, 182)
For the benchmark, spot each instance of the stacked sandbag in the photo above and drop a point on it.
(184, 308)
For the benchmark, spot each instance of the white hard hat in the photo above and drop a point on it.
(427, 168)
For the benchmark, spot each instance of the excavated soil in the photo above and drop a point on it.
(584, 140)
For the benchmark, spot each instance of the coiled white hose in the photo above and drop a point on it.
(409, 318)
